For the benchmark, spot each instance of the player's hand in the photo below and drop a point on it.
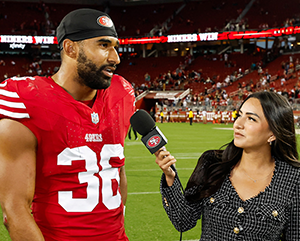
(164, 160)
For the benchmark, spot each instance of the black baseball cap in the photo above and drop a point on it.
(83, 24)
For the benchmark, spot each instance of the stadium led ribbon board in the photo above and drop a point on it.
(178, 38)
(215, 36)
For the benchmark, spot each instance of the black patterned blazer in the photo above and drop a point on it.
(225, 216)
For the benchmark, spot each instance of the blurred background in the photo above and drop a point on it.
(203, 55)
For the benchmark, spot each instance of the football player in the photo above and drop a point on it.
(62, 173)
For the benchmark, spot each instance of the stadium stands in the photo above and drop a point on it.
(136, 68)
(274, 15)
(205, 16)
(22, 18)
(146, 17)
(39, 18)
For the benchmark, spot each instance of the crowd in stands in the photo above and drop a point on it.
(154, 19)
(25, 18)
(209, 88)
(172, 80)
(183, 76)
(26, 66)
(219, 95)
(214, 92)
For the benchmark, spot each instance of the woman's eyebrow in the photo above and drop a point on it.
(250, 113)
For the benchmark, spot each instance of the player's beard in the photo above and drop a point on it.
(91, 75)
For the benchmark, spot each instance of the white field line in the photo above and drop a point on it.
(158, 169)
(142, 193)
(224, 128)
(133, 143)
(178, 156)
(150, 170)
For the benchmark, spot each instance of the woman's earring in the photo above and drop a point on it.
(270, 143)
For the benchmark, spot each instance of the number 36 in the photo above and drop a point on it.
(65, 198)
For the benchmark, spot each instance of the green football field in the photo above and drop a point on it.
(145, 217)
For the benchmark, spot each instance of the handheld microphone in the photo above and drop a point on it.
(152, 138)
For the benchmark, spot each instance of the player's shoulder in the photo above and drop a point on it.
(18, 94)
(119, 79)
(24, 79)
(24, 88)
(120, 83)
(24, 84)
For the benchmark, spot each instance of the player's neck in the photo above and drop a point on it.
(76, 90)
(89, 103)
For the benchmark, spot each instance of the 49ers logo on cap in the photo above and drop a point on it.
(153, 141)
(105, 21)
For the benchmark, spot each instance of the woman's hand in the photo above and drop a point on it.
(164, 160)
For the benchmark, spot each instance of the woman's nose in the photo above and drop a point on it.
(239, 123)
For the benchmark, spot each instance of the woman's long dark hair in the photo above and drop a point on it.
(213, 166)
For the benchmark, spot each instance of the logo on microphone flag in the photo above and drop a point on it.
(153, 141)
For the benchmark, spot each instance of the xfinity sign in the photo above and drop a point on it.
(17, 46)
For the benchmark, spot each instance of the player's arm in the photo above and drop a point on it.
(17, 180)
(123, 184)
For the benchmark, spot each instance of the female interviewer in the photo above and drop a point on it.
(251, 189)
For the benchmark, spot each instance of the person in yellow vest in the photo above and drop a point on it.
(162, 117)
(234, 114)
(191, 116)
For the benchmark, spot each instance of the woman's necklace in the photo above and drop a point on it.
(255, 180)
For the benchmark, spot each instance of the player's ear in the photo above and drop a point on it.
(70, 48)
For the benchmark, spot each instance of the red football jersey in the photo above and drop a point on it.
(80, 152)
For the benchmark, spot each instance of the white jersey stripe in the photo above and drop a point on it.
(9, 93)
(13, 114)
(12, 104)
(3, 84)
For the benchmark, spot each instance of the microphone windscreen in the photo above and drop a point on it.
(142, 122)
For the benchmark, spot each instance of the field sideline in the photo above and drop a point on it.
(145, 218)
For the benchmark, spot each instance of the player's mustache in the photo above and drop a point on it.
(112, 66)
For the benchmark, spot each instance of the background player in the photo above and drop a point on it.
(62, 140)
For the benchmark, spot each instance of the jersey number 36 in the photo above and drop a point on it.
(111, 201)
